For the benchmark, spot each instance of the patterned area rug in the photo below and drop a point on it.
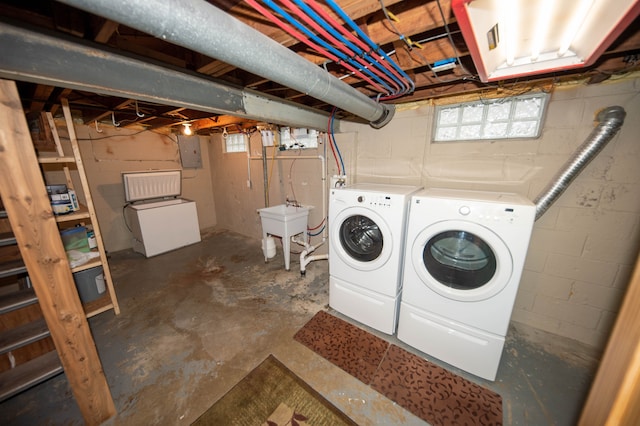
(430, 392)
(272, 395)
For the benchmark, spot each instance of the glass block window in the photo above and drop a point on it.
(235, 142)
(507, 118)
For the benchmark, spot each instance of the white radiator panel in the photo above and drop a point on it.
(149, 185)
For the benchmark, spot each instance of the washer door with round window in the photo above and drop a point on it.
(462, 260)
(363, 238)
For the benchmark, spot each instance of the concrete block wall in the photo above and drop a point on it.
(289, 177)
(583, 249)
(395, 153)
(588, 241)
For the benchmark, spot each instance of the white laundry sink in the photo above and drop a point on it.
(284, 221)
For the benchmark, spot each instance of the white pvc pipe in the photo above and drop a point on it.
(304, 260)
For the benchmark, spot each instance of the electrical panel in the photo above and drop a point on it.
(294, 138)
(190, 152)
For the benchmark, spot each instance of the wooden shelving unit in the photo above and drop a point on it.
(83, 213)
(43, 324)
(86, 213)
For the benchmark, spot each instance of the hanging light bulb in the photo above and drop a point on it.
(187, 129)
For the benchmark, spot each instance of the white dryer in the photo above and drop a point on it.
(366, 245)
(464, 259)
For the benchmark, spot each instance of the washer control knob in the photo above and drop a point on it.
(360, 199)
(464, 210)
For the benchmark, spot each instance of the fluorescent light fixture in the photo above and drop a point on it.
(575, 23)
(541, 29)
(510, 30)
(513, 38)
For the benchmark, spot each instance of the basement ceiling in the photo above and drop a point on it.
(415, 34)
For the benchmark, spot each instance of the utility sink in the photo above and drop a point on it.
(284, 221)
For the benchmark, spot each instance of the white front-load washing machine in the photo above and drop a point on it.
(366, 245)
(463, 262)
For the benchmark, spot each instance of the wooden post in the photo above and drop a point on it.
(27, 204)
(614, 398)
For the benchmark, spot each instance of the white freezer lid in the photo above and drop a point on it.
(151, 184)
(156, 204)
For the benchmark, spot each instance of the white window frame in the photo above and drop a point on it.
(515, 117)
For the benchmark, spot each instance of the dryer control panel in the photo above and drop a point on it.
(489, 213)
(375, 200)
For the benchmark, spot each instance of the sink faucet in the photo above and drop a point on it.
(292, 203)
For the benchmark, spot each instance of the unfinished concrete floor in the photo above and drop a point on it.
(195, 321)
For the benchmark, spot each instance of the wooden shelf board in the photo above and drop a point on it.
(90, 264)
(46, 159)
(98, 306)
(83, 213)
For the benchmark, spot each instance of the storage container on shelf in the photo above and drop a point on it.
(75, 239)
(90, 283)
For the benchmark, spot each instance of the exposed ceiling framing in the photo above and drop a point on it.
(428, 29)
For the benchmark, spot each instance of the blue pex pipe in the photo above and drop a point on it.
(349, 44)
(370, 42)
(323, 43)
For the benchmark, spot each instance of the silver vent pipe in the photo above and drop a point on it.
(610, 120)
(202, 27)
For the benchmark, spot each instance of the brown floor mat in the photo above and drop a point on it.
(432, 393)
(356, 351)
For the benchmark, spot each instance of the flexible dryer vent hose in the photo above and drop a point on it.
(609, 122)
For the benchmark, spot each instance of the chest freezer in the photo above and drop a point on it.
(159, 220)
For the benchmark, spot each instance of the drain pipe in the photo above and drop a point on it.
(202, 27)
(610, 120)
(305, 259)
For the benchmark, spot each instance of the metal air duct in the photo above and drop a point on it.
(202, 27)
(610, 120)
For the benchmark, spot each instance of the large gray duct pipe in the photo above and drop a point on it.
(40, 57)
(202, 27)
(610, 120)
